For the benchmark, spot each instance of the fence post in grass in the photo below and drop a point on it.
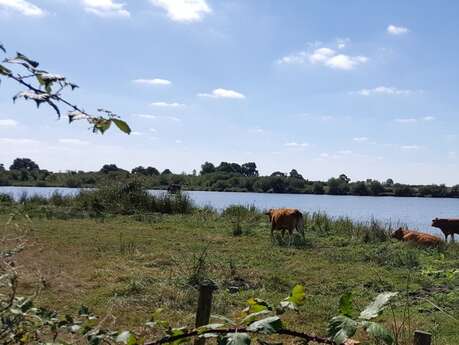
(206, 289)
(422, 338)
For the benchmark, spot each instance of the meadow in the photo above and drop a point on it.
(126, 258)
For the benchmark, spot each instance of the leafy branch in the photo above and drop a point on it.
(44, 87)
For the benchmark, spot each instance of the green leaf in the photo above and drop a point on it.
(345, 304)
(102, 125)
(127, 338)
(268, 325)
(297, 296)
(340, 328)
(209, 327)
(31, 62)
(123, 126)
(256, 305)
(252, 317)
(234, 339)
(378, 332)
(377, 306)
(4, 70)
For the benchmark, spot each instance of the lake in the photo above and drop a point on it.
(416, 213)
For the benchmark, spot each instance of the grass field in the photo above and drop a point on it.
(127, 266)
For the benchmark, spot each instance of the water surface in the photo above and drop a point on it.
(416, 213)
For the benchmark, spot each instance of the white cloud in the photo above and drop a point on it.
(294, 144)
(106, 8)
(410, 147)
(137, 134)
(70, 141)
(223, 93)
(452, 155)
(8, 123)
(345, 152)
(156, 117)
(178, 141)
(360, 139)
(146, 116)
(184, 10)
(18, 141)
(155, 81)
(383, 90)
(406, 120)
(345, 62)
(167, 105)
(153, 130)
(397, 30)
(327, 57)
(415, 120)
(24, 7)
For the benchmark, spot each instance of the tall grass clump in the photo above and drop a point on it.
(323, 224)
(242, 218)
(131, 198)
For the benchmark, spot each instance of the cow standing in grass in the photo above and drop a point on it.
(447, 226)
(419, 238)
(286, 219)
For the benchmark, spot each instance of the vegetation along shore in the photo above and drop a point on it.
(228, 177)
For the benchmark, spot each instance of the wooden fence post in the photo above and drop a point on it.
(422, 338)
(206, 289)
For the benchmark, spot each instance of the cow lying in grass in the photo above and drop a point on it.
(416, 237)
(286, 219)
(447, 226)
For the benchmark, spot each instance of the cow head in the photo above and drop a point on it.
(269, 213)
(436, 222)
(398, 234)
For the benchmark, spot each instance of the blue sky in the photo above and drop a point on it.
(327, 87)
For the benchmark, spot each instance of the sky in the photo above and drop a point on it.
(364, 88)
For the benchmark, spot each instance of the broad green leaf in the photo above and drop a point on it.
(123, 126)
(234, 339)
(268, 325)
(377, 306)
(340, 328)
(173, 332)
(209, 327)
(252, 317)
(297, 296)
(345, 304)
(378, 332)
(256, 305)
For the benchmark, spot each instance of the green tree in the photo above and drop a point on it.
(24, 164)
(295, 174)
(207, 168)
(249, 169)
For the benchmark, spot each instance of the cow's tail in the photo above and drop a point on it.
(300, 224)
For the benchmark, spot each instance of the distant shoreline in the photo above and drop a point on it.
(164, 189)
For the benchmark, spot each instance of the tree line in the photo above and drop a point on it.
(227, 176)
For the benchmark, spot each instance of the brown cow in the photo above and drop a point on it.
(286, 219)
(447, 226)
(416, 237)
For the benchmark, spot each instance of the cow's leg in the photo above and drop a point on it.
(272, 233)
